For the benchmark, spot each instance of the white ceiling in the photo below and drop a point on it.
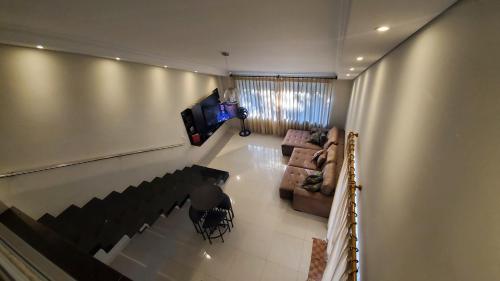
(404, 17)
(314, 37)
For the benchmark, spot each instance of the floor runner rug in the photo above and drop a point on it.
(318, 260)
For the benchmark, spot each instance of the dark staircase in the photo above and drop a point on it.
(101, 223)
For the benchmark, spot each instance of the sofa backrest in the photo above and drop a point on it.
(332, 137)
(331, 154)
(334, 161)
(329, 178)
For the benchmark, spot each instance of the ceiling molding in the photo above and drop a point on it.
(423, 27)
(317, 37)
(342, 15)
(21, 36)
(293, 74)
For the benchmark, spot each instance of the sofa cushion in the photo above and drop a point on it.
(313, 182)
(292, 178)
(321, 159)
(312, 202)
(318, 138)
(329, 178)
(333, 133)
(297, 138)
(318, 129)
(331, 155)
(317, 154)
(333, 137)
(328, 143)
(303, 158)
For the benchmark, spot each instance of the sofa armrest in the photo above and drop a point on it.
(296, 138)
(311, 202)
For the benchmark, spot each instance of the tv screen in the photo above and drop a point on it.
(231, 109)
(205, 117)
(211, 113)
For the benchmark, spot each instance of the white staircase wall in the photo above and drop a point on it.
(58, 107)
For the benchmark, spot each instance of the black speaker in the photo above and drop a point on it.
(242, 115)
(191, 130)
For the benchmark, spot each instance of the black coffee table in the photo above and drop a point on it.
(206, 197)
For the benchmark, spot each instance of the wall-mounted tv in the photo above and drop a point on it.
(205, 117)
(210, 107)
(211, 114)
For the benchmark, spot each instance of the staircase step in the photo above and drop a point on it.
(59, 251)
(101, 223)
(48, 220)
(68, 214)
(92, 203)
(207, 172)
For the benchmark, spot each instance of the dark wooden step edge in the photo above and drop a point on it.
(65, 255)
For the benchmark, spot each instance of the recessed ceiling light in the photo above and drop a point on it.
(360, 58)
(351, 69)
(383, 28)
(165, 66)
(348, 74)
(39, 46)
(117, 58)
(196, 71)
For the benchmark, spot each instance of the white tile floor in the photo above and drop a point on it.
(270, 241)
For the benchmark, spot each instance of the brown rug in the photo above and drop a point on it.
(318, 260)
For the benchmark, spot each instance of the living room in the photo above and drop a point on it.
(249, 140)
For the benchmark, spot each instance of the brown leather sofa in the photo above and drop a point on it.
(296, 138)
(300, 138)
(301, 165)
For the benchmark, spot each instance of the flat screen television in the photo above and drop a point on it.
(211, 114)
(205, 117)
(210, 108)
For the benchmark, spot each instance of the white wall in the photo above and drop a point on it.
(342, 91)
(59, 107)
(428, 116)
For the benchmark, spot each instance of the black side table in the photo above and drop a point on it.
(206, 197)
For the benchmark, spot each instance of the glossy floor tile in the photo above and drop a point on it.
(270, 240)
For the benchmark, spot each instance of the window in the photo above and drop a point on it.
(278, 104)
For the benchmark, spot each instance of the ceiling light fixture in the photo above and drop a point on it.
(165, 66)
(383, 28)
(348, 75)
(351, 69)
(360, 58)
(117, 58)
(196, 71)
(226, 59)
(39, 47)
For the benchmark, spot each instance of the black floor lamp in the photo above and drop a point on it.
(242, 115)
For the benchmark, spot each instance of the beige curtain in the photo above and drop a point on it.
(338, 226)
(278, 104)
(338, 231)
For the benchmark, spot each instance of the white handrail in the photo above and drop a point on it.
(78, 162)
